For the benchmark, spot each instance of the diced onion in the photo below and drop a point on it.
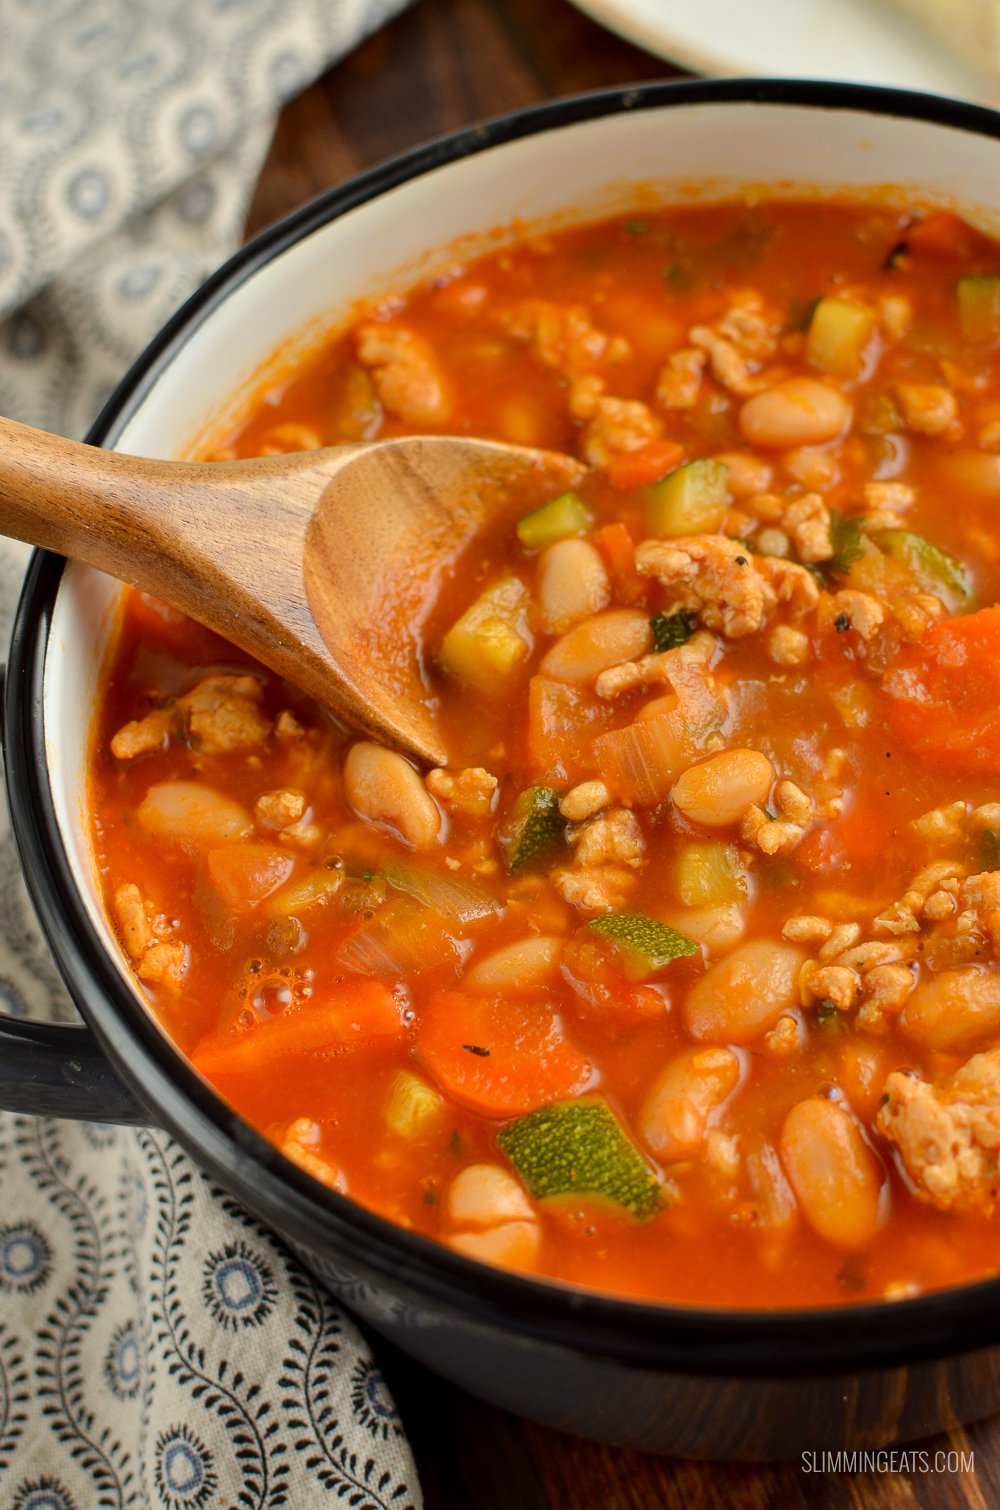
(458, 901)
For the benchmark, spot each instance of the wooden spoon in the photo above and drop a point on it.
(321, 564)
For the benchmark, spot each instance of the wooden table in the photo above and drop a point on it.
(441, 65)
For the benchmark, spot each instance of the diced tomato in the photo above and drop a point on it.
(855, 839)
(562, 727)
(500, 1055)
(601, 991)
(943, 234)
(244, 874)
(944, 695)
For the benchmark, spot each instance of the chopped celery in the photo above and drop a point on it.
(838, 333)
(413, 1106)
(934, 570)
(710, 875)
(533, 829)
(671, 630)
(458, 901)
(314, 890)
(556, 520)
(579, 1148)
(488, 642)
(644, 945)
(979, 307)
(691, 500)
(362, 893)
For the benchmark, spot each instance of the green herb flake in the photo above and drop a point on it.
(680, 280)
(430, 1199)
(636, 227)
(579, 1148)
(455, 1144)
(646, 945)
(671, 630)
(826, 1012)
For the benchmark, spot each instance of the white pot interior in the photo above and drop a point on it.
(568, 173)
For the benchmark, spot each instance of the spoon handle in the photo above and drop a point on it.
(112, 511)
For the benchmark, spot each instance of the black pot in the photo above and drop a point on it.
(698, 1382)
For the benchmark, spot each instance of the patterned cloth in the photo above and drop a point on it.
(158, 1348)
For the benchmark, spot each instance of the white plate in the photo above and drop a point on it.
(856, 40)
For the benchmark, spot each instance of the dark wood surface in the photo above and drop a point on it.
(441, 65)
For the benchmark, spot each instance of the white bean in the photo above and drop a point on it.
(797, 412)
(384, 788)
(718, 791)
(525, 963)
(484, 1195)
(746, 474)
(954, 1009)
(514, 1244)
(193, 814)
(717, 928)
(572, 583)
(589, 648)
(833, 1172)
(744, 994)
(675, 1114)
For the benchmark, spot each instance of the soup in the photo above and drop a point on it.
(680, 981)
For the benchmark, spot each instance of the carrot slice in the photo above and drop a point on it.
(355, 1012)
(944, 695)
(648, 463)
(616, 545)
(500, 1056)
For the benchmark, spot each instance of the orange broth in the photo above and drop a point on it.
(856, 719)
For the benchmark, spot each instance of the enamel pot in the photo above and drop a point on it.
(698, 1382)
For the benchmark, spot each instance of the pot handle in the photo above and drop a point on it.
(58, 1070)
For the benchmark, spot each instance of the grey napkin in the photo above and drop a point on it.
(158, 1348)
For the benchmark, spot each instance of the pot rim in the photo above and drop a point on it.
(687, 1339)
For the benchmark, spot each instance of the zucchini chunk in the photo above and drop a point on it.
(558, 519)
(691, 500)
(932, 568)
(579, 1148)
(645, 946)
(532, 831)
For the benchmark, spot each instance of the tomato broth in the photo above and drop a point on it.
(681, 980)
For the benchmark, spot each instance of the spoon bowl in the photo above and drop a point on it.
(320, 564)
